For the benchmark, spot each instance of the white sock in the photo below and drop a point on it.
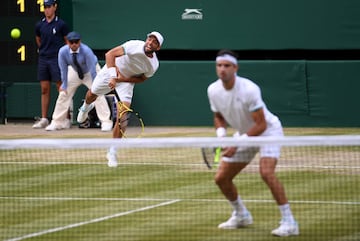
(238, 206)
(286, 213)
(112, 150)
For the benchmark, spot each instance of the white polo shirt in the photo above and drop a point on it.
(135, 62)
(236, 105)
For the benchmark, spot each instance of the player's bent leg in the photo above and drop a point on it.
(84, 112)
(86, 107)
(117, 133)
(98, 88)
(122, 120)
(267, 172)
(240, 217)
(111, 155)
(224, 178)
(288, 225)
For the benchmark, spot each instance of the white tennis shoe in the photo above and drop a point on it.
(106, 125)
(83, 113)
(53, 127)
(286, 229)
(112, 159)
(66, 124)
(41, 123)
(237, 221)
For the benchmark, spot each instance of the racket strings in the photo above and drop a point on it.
(211, 156)
(131, 124)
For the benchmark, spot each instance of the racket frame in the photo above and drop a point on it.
(211, 156)
(121, 110)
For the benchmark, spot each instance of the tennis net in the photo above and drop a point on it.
(62, 189)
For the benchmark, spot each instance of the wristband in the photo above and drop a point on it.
(112, 72)
(221, 132)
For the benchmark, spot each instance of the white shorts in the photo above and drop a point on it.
(100, 86)
(245, 155)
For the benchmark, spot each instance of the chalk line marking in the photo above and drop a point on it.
(74, 225)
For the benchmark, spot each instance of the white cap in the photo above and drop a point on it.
(158, 36)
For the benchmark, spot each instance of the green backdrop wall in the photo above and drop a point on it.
(301, 93)
(213, 24)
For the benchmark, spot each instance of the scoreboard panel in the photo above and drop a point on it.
(18, 62)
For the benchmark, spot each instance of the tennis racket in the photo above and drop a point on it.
(211, 156)
(130, 123)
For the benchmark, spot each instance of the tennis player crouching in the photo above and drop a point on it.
(237, 102)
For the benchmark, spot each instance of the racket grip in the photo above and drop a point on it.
(115, 109)
(217, 155)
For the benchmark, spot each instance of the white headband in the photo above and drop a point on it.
(227, 57)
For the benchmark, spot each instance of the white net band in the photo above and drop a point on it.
(346, 140)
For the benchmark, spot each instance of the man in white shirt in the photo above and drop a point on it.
(127, 64)
(237, 102)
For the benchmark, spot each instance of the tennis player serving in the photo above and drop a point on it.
(237, 102)
(132, 62)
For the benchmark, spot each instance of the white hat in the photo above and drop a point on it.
(158, 36)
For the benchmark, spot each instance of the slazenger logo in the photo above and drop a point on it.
(192, 14)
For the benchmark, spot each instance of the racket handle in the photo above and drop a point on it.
(217, 155)
(115, 109)
(117, 95)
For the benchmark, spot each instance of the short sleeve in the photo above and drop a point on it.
(210, 93)
(255, 101)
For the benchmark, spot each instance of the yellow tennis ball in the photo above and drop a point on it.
(15, 33)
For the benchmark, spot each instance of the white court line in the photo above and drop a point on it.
(53, 230)
(184, 200)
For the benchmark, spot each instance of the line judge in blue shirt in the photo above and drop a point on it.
(78, 65)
